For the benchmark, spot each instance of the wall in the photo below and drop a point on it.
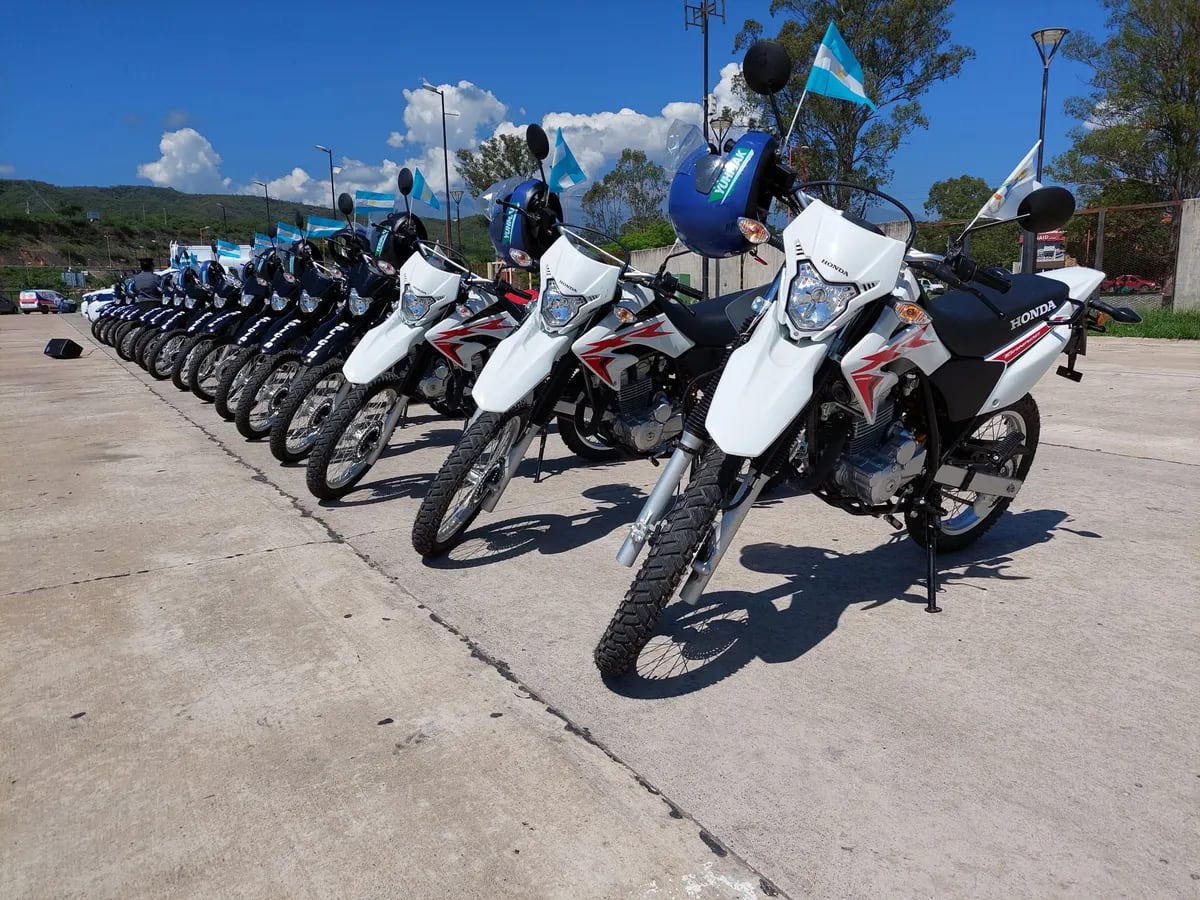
(1187, 262)
(737, 274)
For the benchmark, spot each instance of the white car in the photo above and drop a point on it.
(41, 299)
(94, 301)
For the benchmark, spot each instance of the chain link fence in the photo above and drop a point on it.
(1136, 246)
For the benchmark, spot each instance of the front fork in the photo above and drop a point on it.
(722, 536)
(654, 510)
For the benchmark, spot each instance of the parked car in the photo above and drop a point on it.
(1130, 284)
(42, 300)
(7, 306)
(94, 301)
(933, 287)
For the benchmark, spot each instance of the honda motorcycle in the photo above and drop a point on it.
(854, 383)
(234, 329)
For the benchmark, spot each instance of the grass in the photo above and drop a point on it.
(1161, 323)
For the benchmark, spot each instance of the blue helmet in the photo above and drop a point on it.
(709, 193)
(519, 239)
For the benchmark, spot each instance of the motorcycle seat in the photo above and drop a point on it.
(715, 322)
(969, 329)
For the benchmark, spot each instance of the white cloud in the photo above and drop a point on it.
(188, 163)
(477, 109)
(7, 169)
(395, 139)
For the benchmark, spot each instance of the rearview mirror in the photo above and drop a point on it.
(766, 67)
(1046, 209)
(345, 204)
(272, 231)
(539, 144)
(404, 181)
(299, 218)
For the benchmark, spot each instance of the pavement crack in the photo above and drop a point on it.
(1173, 462)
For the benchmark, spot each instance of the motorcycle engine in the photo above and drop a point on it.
(880, 458)
(646, 418)
(436, 381)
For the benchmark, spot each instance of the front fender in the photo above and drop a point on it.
(329, 340)
(381, 348)
(517, 366)
(765, 385)
(227, 320)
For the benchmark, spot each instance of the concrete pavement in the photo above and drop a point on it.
(1040, 737)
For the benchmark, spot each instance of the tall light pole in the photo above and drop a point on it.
(445, 159)
(109, 243)
(263, 185)
(1047, 41)
(332, 198)
(224, 219)
(696, 14)
(457, 196)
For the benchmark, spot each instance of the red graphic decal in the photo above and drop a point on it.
(1012, 351)
(448, 342)
(869, 376)
(600, 355)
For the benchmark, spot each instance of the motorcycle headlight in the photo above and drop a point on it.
(178, 301)
(278, 303)
(558, 309)
(358, 304)
(813, 302)
(246, 299)
(218, 302)
(308, 302)
(413, 306)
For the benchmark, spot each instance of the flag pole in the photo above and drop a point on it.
(787, 140)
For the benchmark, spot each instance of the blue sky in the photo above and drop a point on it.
(136, 93)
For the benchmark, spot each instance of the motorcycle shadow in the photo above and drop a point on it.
(547, 533)
(414, 485)
(696, 647)
(441, 437)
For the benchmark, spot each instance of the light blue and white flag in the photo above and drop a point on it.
(1020, 183)
(835, 72)
(228, 250)
(565, 172)
(421, 191)
(261, 242)
(322, 228)
(286, 234)
(371, 201)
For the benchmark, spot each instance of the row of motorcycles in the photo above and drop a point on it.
(841, 377)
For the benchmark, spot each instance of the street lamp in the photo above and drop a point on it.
(109, 244)
(224, 219)
(445, 159)
(1047, 41)
(332, 198)
(720, 127)
(263, 185)
(457, 196)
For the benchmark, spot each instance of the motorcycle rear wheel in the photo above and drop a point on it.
(310, 402)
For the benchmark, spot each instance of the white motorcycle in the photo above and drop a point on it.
(864, 391)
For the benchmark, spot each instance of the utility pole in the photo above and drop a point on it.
(696, 14)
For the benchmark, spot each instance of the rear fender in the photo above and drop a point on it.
(1081, 282)
(1027, 359)
(765, 385)
(517, 366)
(381, 348)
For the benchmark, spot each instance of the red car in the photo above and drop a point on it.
(1130, 284)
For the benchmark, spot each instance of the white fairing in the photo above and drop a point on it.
(766, 382)
(605, 349)
(392, 339)
(1081, 282)
(518, 365)
(1022, 374)
(869, 366)
(579, 275)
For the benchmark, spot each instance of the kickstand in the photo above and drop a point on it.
(933, 523)
(537, 476)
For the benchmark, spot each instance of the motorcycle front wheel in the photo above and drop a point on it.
(342, 453)
(234, 374)
(126, 338)
(162, 359)
(310, 401)
(142, 345)
(206, 368)
(264, 393)
(685, 531)
(458, 490)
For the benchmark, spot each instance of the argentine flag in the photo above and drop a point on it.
(286, 234)
(228, 250)
(1020, 183)
(322, 228)
(422, 192)
(369, 201)
(262, 242)
(835, 72)
(565, 172)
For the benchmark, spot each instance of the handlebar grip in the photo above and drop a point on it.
(969, 270)
(688, 291)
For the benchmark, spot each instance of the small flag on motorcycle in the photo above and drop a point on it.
(421, 191)
(835, 72)
(287, 234)
(1017, 186)
(228, 250)
(369, 201)
(261, 242)
(322, 228)
(566, 172)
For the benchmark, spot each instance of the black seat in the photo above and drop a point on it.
(968, 328)
(715, 322)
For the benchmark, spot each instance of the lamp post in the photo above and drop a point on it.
(457, 196)
(109, 244)
(263, 185)
(332, 198)
(224, 219)
(445, 159)
(1047, 41)
(720, 127)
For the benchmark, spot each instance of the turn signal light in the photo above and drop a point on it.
(911, 314)
(625, 316)
(753, 230)
(1102, 318)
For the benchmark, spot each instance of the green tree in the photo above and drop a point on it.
(499, 157)
(630, 197)
(1142, 118)
(958, 200)
(904, 49)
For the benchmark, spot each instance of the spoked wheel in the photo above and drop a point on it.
(143, 344)
(205, 370)
(109, 329)
(96, 326)
(166, 354)
(235, 374)
(309, 403)
(589, 447)
(342, 453)
(126, 339)
(461, 485)
(184, 358)
(969, 515)
(265, 394)
(686, 530)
